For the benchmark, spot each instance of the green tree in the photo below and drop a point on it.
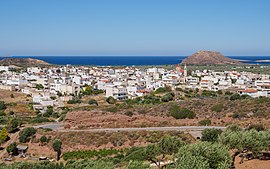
(57, 147)
(88, 90)
(26, 133)
(12, 148)
(243, 141)
(189, 161)
(13, 125)
(211, 135)
(207, 155)
(3, 135)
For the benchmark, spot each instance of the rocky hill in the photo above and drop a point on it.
(22, 62)
(208, 57)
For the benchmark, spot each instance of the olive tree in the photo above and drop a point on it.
(244, 141)
(203, 155)
(57, 147)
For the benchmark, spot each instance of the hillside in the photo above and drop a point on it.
(208, 57)
(22, 62)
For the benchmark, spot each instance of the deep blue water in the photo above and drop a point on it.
(129, 60)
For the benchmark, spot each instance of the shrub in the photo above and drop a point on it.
(12, 148)
(53, 97)
(74, 101)
(181, 113)
(208, 93)
(2, 105)
(129, 113)
(163, 89)
(228, 93)
(217, 108)
(43, 139)
(111, 100)
(2, 113)
(219, 92)
(26, 133)
(235, 96)
(167, 97)
(113, 109)
(93, 101)
(12, 125)
(211, 135)
(40, 120)
(205, 122)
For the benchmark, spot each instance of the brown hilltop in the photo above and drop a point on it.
(208, 57)
(22, 62)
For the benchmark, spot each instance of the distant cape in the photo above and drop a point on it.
(22, 62)
(208, 57)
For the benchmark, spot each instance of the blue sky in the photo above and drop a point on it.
(134, 27)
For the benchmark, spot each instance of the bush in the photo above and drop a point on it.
(93, 101)
(211, 135)
(208, 93)
(40, 120)
(129, 113)
(13, 125)
(167, 97)
(26, 133)
(43, 139)
(205, 122)
(2, 105)
(217, 108)
(163, 89)
(2, 113)
(111, 100)
(12, 148)
(181, 113)
(235, 97)
(228, 93)
(74, 101)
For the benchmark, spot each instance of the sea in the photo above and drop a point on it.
(132, 60)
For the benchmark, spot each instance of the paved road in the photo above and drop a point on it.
(53, 126)
(59, 127)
